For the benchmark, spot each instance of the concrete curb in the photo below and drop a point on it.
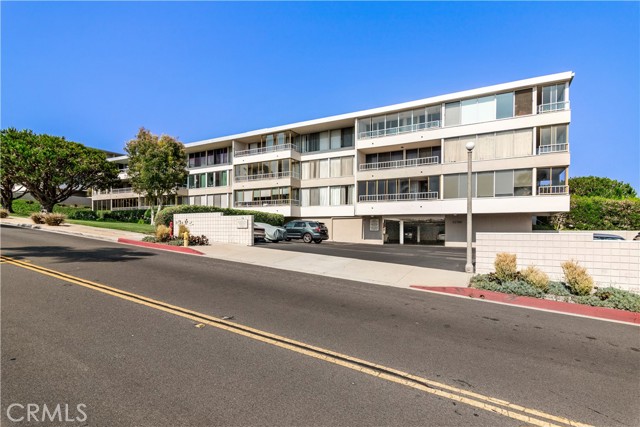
(181, 249)
(541, 304)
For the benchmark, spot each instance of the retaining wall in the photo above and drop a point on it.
(218, 228)
(610, 262)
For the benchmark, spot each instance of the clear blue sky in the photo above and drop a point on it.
(96, 72)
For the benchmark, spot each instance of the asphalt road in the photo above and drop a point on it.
(453, 259)
(132, 364)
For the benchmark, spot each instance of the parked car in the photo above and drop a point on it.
(271, 232)
(258, 233)
(603, 236)
(308, 231)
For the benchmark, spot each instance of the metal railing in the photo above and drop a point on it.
(553, 106)
(399, 197)
(399, 129)
(553, 148)
(553, 189)
(191, 167)
(121, 190)
(394, 164)
(263, 150)
(266, 203)
(262, 176)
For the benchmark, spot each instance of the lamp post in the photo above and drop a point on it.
(469, 265)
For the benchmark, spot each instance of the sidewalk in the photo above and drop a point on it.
(381, 273)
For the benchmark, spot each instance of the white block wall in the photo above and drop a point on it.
(610, 262)
(217, 227)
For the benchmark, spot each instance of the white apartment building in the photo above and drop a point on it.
(395, 174)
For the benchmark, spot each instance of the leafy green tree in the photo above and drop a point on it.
(9, 142)
(593, 186)
(52, 168)
(157, 167)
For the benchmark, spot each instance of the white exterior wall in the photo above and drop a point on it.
(217, 227)
(610, 262)
(456, 226)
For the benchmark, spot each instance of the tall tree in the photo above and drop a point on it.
(52, 168)
(593, 186)
(157, 167)
(10, 139)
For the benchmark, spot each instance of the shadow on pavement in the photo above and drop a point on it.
(70, 254)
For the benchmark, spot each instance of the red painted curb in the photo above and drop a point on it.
(160, 246)
(559, 306)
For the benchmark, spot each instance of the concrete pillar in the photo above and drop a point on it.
(401, 232)
(418, 237)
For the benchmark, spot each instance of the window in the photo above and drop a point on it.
(552, 139)
(336, 139)
(553, 98)
(485, 184)
(452, 113)
(347, 137)
(433, 116)
(524, 102)
(504, 105)
(522, 182)
(504, 183)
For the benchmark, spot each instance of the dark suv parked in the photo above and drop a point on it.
(308, 231)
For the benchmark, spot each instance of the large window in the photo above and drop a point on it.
(268, 170)
(219, 156)
(505, 183)
(552, 139)
(325, 168)
(552, 180)
(417, 188)
(324, 141)
(498, 145)
(209, 179)
(553, 98)
(400, 122)
(327, 196)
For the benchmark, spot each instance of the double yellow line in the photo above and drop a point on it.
(476, 400)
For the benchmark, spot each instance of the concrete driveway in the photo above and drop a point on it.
(452, 259)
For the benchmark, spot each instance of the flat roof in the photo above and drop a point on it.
(503, 87)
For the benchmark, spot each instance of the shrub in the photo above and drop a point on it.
(618, 298)
(506, 266)
(516, 287)
(162, 233)
(4, 213)
(597, 213)
(165, 216)
(559, 289)
(198, 240)
(83, 214)
(37, 217)
(577, 278)
(54, 218)
(181, 230)
(535, 277)
(132, 216)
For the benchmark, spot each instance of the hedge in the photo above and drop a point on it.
(166, 215)
(598, 213)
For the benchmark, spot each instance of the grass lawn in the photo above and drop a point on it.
(123, 226)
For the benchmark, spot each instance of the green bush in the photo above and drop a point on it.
(559, 289)
(132, 216)
(618, 298)
(516, 287)
(597, 213)
(27, 207)
(166, 215)
(83, 214)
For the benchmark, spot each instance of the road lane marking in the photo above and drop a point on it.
(491, 404)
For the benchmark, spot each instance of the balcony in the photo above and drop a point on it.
(263, 176)
(553, 189)
(263, 150)
(200, 165)
(398, 130)
(554, 148)
(553, 106)
(265, 203)
(399, 197)
(395, 164)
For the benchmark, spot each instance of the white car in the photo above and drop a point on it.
(271, 232)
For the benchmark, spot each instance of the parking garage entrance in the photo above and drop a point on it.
(414, 232)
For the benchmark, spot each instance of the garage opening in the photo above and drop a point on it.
(414, 232)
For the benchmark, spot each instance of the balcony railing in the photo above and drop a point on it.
(398, 130)
(399, 197)
(266, 203)
(553, 106)
(394, 164)
(263, 176)
(553, 189)
(205, 164)
(554, 148)
(263, 150)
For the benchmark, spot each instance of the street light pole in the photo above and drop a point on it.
(469, 265)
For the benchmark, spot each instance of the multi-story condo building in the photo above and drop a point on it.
(396, 174)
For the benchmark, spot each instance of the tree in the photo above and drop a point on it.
(9, 143)
(157, 166)
(593, 186)
(52, 168)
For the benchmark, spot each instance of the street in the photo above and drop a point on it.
(159, 347)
